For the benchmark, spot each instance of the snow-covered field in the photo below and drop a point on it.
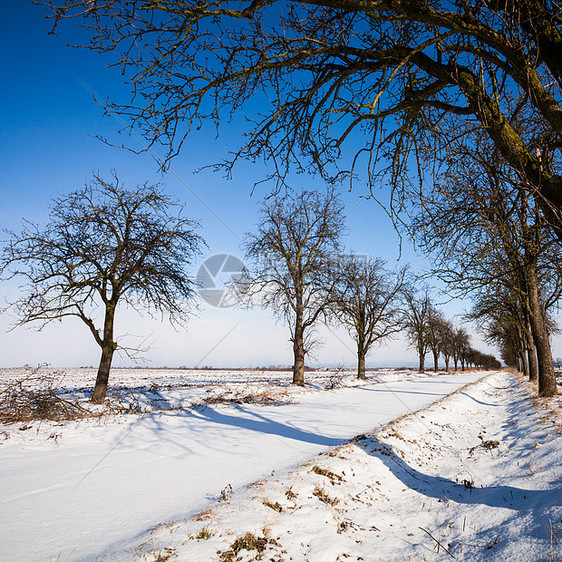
(157, 389)
(148, 484)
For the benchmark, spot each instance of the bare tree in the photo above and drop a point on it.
(366, 302)
(416, 311)
(483, 360)
(461, 343)
(292, 252)
(434, 330)
(341, 84)
(504, 319)
(484, 230)
(446, 342)
(104, 245)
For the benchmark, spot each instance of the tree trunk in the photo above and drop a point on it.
(108, 348)
(102, 378)
(524, 362)
(298, 350)
(532, 356)
(547, 377)
(456, 360)
(447, 359)
(435, 361)
(422, 361)
(361, 364)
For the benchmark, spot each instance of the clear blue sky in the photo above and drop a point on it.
(48, 147)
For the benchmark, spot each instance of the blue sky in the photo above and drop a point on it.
(48, 148)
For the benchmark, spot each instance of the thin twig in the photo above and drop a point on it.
(438, 542)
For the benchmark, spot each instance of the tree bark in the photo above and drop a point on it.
(435, 361)
(447, 359)
(298, 350)
(532, 359)
(361, 364)
(527, 337)
(108, 348)
(102, 378)
(546, 375)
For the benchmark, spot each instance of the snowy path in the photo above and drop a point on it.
(98, 488)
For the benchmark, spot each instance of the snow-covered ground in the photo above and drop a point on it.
(79, 490)
(475, 476)
(157, 389)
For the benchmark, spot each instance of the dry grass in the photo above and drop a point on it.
(321, 494)
(270, 397)
(162, 555)
(204, 515)
(37, 397)
(204, 534)
(290, 494)
(249, 541)
(327, 473)
(555, 542)
(276, 506)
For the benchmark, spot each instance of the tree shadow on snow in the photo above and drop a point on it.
(262, 424)
(398, 391)
(459, 492)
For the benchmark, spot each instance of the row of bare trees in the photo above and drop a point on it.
(382, 91)
(344, 88)
(490, 240)
(300, 271)
(430, 332)
(106, 245)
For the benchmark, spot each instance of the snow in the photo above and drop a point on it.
(79, 490)
(475, 476)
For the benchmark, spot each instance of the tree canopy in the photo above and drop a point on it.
(338, 85)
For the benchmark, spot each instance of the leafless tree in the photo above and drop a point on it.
(446, 341)
(435, 328)
(461, 343)
(336, 86)
(366, 302)
(293, 253)
(104, 245)
(416, 310)
(505, 322)
(484, 230)
(483, 360)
